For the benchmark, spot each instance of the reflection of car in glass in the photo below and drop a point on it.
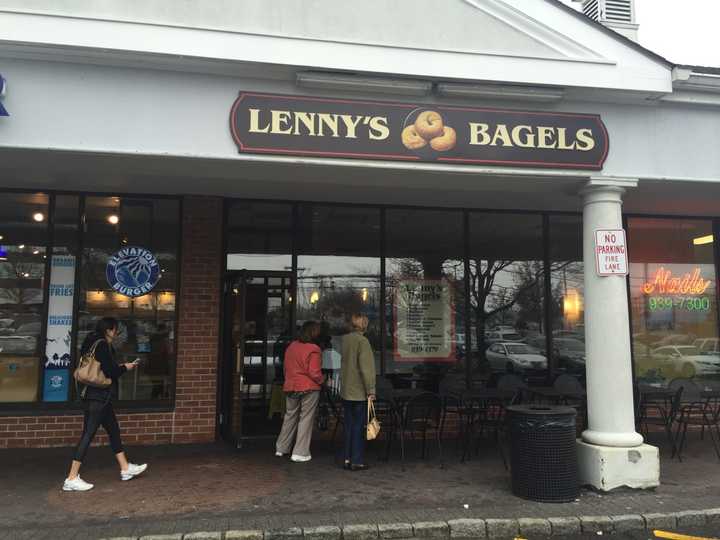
(672, 339)
(569, 334)
(707, 345)
(513, 356)
(570, 353)
(14, 344)
(496, 337)
(685, 361)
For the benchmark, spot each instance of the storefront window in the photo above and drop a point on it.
(507, 294)
(259, 236)
(23, 240)
(339, 274)
(567, 296)
(425, 294)
(147, 319)
(673, 299)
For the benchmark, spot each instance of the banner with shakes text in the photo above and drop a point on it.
(322, 127)
(56, 379)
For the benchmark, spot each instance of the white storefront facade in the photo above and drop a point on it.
(132, 103)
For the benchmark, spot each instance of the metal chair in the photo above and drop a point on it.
(422, 413)
(694, 411)
(664, 415)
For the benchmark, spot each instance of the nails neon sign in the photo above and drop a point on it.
(664, 282)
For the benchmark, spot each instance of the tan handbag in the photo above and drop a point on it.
(373, 424)
(89, 372)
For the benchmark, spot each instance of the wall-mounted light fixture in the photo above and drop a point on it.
(113, 219)
(360, 83)
(39, 217)
(499, 91)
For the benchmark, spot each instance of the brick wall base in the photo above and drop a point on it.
(193, 420)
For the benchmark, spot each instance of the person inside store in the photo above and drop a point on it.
(303, 381)
(357, 387)
(98, 406)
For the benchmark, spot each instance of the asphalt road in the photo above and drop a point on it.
(690, 534)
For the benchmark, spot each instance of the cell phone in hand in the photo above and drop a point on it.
(138, 361)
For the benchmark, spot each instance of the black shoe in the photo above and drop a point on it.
(359, 467)
(347, 466)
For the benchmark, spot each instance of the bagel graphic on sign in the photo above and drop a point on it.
(426, 134)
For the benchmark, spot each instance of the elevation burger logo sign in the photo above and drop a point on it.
(133, 271)
(307, 126)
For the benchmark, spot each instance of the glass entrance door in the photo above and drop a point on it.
(258, 327)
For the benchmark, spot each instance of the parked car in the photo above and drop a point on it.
(685, 361)
(513, 356)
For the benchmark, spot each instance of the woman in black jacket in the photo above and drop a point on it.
(98, 406)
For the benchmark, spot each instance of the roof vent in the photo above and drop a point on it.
(619, 15)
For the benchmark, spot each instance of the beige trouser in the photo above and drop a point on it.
(299, 418)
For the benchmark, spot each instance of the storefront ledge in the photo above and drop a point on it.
(292, 533)
(207, 535)
(74, 409)
(329, 532)
(431, 529)
(244, 535)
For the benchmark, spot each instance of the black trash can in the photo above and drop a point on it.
(543, 457)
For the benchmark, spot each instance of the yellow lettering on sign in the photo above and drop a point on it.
(255, 122)
(502, 134)
(585, 136)
(379, 130)
(479, 133)
(523, 136)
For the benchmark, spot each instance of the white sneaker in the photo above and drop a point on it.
(76, 484)
(132, 471)
(279, 454)
(300, 459)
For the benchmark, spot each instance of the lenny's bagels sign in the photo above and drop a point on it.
(308, 126)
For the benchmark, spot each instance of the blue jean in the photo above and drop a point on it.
(355, 413)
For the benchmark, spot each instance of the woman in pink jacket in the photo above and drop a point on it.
(303, 378)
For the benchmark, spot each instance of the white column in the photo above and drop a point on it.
(604, 455)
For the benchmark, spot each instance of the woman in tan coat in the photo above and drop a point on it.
(357, 380)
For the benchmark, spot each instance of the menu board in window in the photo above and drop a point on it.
(424, 322)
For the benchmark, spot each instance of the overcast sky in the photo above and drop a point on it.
(683, 31)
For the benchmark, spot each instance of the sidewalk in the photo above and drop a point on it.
(216, 488)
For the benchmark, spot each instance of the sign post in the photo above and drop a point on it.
(611, 252)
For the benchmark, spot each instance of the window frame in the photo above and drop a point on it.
(73, 406)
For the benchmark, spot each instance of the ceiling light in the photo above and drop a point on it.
(499, 91)
(1, 237)
(113, 219)
(36, 251)
(39, 216)
(701, 240)
(21, 246)
(350, 83)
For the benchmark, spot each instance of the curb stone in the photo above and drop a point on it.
(359, 532)
(395, 530)
(690, 518)
(628, 522)
(244, 535)
(712, 515)
(501, 528)
(596, 524)
(467, 528)
(293, 533)
(534, 526)
(659, 521)
(564, 525)
(435, 529)
(327, 532)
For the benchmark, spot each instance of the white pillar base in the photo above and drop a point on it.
(609, 467)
